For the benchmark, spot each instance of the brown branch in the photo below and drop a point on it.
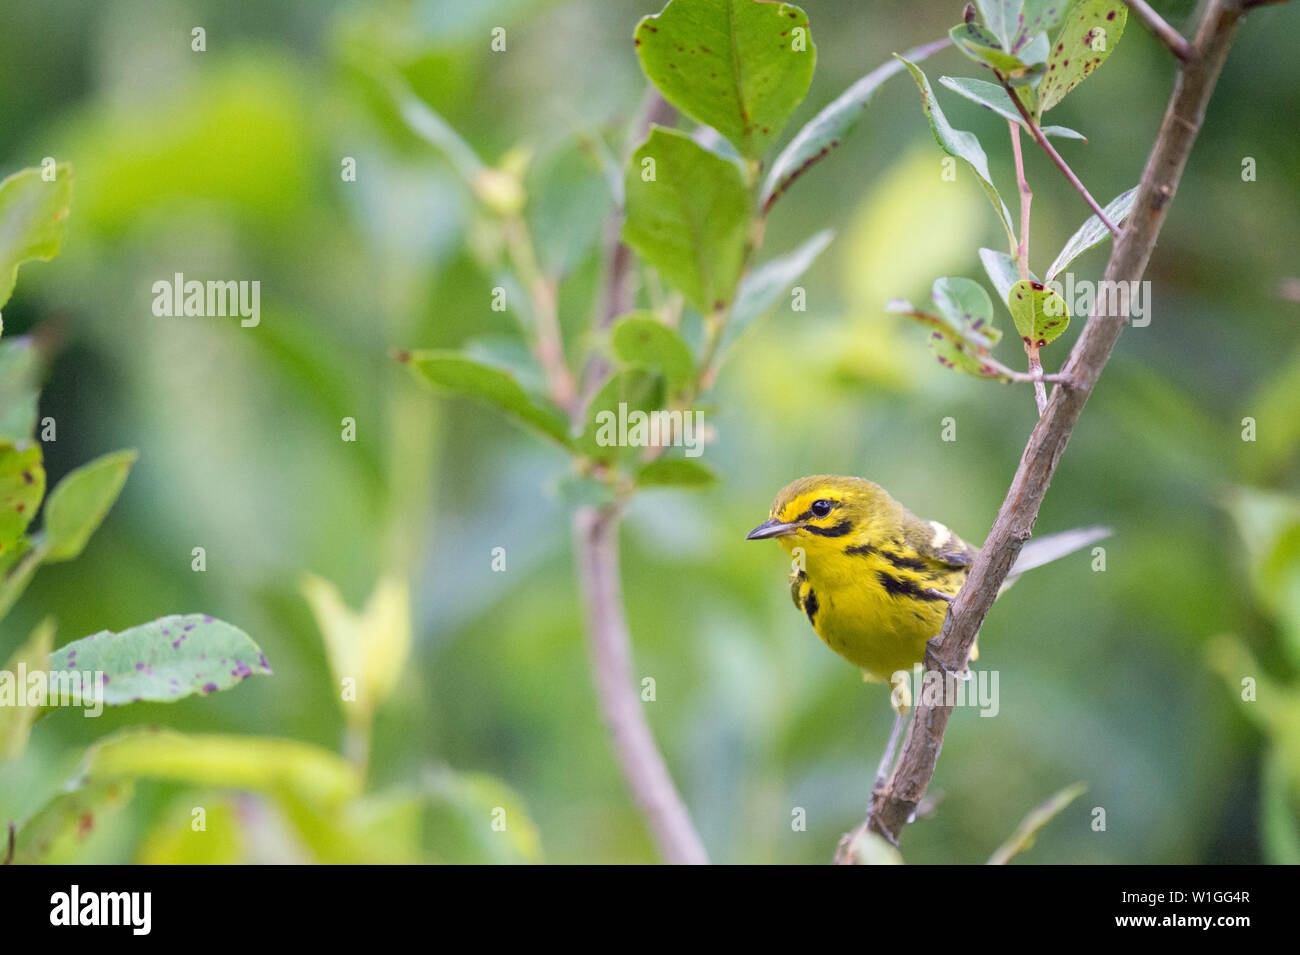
(596, 542)
(1061, 164)
(1163, 32)
(894, 805)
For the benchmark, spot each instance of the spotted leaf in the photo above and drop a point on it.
(166, 660)
(1090, 32)
(739, 66)
(1039, 313)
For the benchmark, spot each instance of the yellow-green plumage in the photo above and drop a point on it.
(873, 578)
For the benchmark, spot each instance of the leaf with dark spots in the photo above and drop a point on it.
(163, 661)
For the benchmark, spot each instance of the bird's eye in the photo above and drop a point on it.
(821, 508)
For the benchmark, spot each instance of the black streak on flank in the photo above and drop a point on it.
(835, 530)
(908, 563)
(904, 588)
(810, 606)
(859, 550)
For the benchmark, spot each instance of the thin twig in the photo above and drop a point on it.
(887, 758)
(1036, 376)
(548, 344)
(1036, 371)
(596, 543)
(1022, 260)
(1060, 163)
(1162, 31)
(895, 804)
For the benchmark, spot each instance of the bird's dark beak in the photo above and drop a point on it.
(772, 528)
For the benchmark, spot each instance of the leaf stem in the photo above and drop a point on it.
(1060, 163)
(1162, 31)
(1026, 197)
(548, 345)
(1036, 372)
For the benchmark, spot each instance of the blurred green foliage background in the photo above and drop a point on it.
(227, 164)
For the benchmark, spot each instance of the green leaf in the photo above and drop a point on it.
(1269, 525)
(258, 763)
(994, 97)
(1091, 31)
(1092, 232)
(66, 820)
(968, 307)
(22, 485)
(825, 131)
(641, 340)
(569, 204)
(425, 122)
(676, 472)
(472, 818)
(1025, 834)
(80, 502)
(957, 355)
(736, 65)
(944, 326)
(960, 145)
(618, 417)
(760, 289)
(985, 48)
(1000, 18)
(955, 341)
(688, 216)
(16, 573)
(16, 719)
(1039, 16)
(1279, 813)
(1002, 271)
(33, 214)
(460, 375)
(18, 390)
(1039, 313)
(165, 660)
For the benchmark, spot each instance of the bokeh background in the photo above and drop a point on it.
(227, 164)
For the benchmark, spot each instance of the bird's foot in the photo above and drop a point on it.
(931, 658)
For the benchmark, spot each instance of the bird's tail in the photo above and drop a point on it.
(1044, 550)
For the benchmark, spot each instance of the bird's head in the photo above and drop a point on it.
(822, 511)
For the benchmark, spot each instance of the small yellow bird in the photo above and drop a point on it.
(874, 579)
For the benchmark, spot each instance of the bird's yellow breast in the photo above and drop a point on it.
(876, 608)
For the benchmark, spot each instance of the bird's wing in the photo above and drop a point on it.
(1044, 550)
(937, 543)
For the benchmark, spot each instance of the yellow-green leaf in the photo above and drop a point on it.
(962, 145)
(80, 502)
(1091, 30)
(640, 339)
(33, 215)
(16, 720)
(22, 485)
(1039, 313)
(739, 66)
(461, 375)
(371, 647)
(688, 216)
(259, 763)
